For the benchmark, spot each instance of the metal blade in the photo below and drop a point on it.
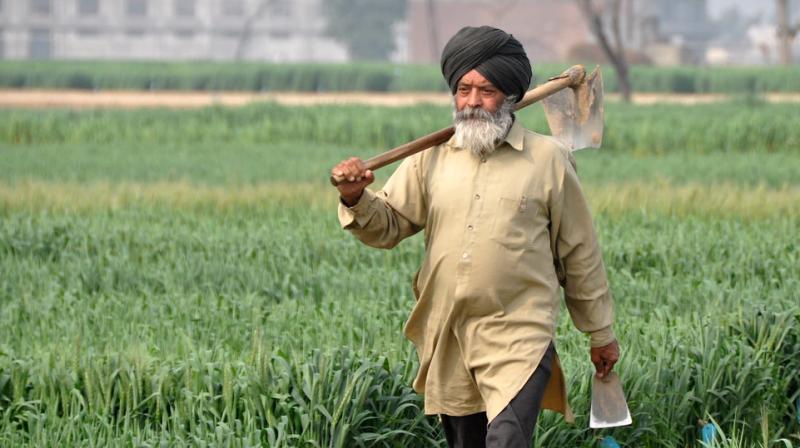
(575, 116)
(609, 407)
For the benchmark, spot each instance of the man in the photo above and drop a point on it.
(505, 225)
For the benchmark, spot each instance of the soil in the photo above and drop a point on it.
(81, 99)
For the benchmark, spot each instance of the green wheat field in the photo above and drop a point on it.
(179, 278)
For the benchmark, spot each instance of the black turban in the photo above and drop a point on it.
(495, 54)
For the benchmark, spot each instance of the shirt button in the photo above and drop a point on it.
(469, 227)
(477, 196)
(464, 255)
(483, 160)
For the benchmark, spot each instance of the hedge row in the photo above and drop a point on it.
(247, 76)
(734, 126)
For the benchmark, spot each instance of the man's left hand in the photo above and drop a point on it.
(604, 358)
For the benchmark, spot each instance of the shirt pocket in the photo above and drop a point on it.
(513, 222)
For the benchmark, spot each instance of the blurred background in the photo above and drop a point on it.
(658, 32)
(280, 45)
(173, 273)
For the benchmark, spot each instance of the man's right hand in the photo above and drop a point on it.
(357, 178)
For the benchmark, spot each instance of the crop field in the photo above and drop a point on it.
(179, 278)
(372, 77)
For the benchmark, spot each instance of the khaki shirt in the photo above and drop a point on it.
(502, 234)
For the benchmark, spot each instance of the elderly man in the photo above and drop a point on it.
(505, 226)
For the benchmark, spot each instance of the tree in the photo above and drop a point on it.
(786, 32)
(246, 35)
(594, 12)
(364, 26)
(433, 29)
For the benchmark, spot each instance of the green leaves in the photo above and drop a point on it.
(179, 278)
(365, 27)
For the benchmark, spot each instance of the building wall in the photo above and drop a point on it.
(547, 29)
(678, 30)
(285, 30)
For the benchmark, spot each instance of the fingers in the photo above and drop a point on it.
(605, 369)
(352, 178)
(601, 369)
(599, 364)
(604, 358)
(352, 170)
(611, 355)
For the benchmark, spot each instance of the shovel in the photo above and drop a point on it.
(575, 116)
(609, 408)
(573, 106)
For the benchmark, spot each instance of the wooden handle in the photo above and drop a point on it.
(403, 151)
(573, 77)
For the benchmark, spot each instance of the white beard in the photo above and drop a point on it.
(481, 131)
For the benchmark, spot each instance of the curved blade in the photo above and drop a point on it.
(575, 116)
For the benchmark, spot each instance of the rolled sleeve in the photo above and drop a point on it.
(602, 337)
(358, 215)
(382, 219)
(586, 289)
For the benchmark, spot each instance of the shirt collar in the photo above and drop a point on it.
(515, 137)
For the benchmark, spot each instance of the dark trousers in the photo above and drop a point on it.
(513, 427)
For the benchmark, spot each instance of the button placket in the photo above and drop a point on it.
(475, 210)
(471, 227)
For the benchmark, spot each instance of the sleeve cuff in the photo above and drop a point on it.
(601, 337)
(358, 214)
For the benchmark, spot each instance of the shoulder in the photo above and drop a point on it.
(419, 164)
(428, 158)
(548, 150)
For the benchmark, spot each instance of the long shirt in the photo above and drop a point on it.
(503, 233)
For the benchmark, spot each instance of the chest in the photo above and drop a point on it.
(503, 197)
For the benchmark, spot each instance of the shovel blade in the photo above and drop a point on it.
(575, 115)
(609, 408)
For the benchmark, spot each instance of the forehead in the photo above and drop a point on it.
(474, 78)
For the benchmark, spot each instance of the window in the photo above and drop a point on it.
(134, 33)
(40, 44)
(137, 8)
(184, 8)
(40, 7)
(88, 7)
(233, 8)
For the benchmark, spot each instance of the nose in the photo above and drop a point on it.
(474, 98)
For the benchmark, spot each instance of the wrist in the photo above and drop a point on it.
(602, 337)
(350, 200)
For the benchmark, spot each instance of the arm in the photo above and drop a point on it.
(384, 218)
(578, 257)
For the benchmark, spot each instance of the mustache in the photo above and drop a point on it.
(476, 113)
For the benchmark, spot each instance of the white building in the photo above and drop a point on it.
(258, 30)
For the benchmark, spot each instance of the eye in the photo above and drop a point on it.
(463, 90)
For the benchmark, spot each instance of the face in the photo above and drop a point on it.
(474, 90)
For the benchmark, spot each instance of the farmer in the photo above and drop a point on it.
(505, 225)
